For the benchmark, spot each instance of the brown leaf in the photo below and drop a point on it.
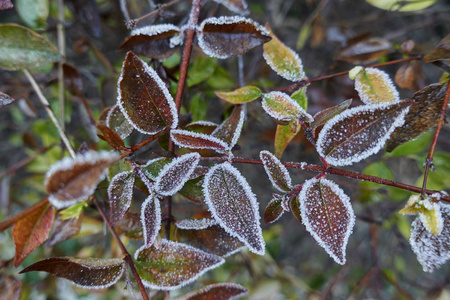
(219, 291)
(404, 77)
(120, 193)
(274, 209)
(111, 137)
(5, 99)
(277, 172)
(442, 51)
(230, 129)
(5, 4)
(63, 230)
(365, 51)
(422, 116)
(151, 219)
(130, 226)
(294, 204)
(72, 80)
(10, 287)
(323, 116)
(31, 231)
(193, 140)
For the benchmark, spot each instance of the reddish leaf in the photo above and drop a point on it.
(374, 86)
(277, 172)
(120, 193)
(422, 115)
(173, 265)
(89, 273)
(294, 205)
(111, 137)
(154, 41)
(364, 51)
(72, 180)
(233, 204)
(5, 4)
(31, 231)
(230, 36)
(117, 122)
(323, 116)
(359, 132)
(63, 230)
(144, 98)
(5, 99)
(274, 209)
(130, 226)
(327, 215)
(193, 140)
(442, 51)
(236, 6)
(72, 80)
(151, 219)
(219, 291)
(230, 129)
(241, 95)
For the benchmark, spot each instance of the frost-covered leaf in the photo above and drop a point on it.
(423, 114)
(230, 36)
(241, 95)
(230, 129)
(194, 140)
(5, 99)
(374, 86)
(327, 215)
(404, 5)
(294, 205)
(175, 174)
(173, 265)
(117, 122)
(34, 13)
(111, 137)
(10, 287)
(364, 51)
(212, 239)
(63, 230)
(219, 291)
(281, 107)
(233, 204)
(429, 210)
(283, 60)
(236, 6)
(131, 226)
(32, 230)
(144, 98)
(277, 172)
(150, 219)
(120, 193)
(274, 209)
(154, 166)
(359, 132)
(5, 4)
(442, 51)
(154, 41)
(21, 48)
(323, 116)
(71, 180)
(88, 273)
(432, 250)
(195, 224)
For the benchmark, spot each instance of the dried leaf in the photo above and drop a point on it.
(359, 132)
(21, 48)
(111, 137)
(236, 6)
(193, 140)
(241, 95)
(323, 116)
(364, 51)
(404, 77)
(131, 226)
(233, 204)
(5, 99)
(88, 273)
(5, 4)
(63, 230)
(283, 60)
(230, 129)
(327, 215)
(72, 80)
(422, 116)
(72, 180)
(151, 219)
(10, 287)
(219, 291)
(173, 265)
(442, 51)
(274, 209)
(404, 5)
(374, 87)
(277, 172)
(144, 98)
(117, 122)
(120, 193)
(31, 231)
(281, 107)
(230, 36)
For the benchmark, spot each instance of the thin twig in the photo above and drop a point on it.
(62, 51)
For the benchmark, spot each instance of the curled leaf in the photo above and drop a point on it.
(429, 210)
(323, 116)
(151, 219)
(374, 86)
(274, 209)
(277, 172)
(219, 291)
(120, 193)
(193, 140)
(241, 95)
(229, 130)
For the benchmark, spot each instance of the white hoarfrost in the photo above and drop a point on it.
(197, 140)
(150, 219)
(120, 193)
(384, 90)
(225, 126)
(282, 107)
(277, 172)
(195, 224)
(151, 30)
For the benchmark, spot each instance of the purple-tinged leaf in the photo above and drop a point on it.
(294, 204)
(10, 287)
(144, 98)
(32, 230)
(374, 87)
(195, 224)
(194, 140)
(233, 204)
(151, 219)
(72, 180)
(120, 193)
(230, 129)
(88, 273)
(359, 132)
(281, 107)
(219, 291)
(111, 137)
(230, 36)
(364, 51)
(327, 215)
(274, 210)
(441, 52)
(241, 95)
(199, 171)
(117, 122)
(5, 4)
(277, 172)
(236, 6)
(173, 265)
(432, 250)
(175, 174)
(323, 116)
(131, 226)
(63, 230)
(5, 99)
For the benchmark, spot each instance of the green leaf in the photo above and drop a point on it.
(200, 70)
(374, 86)
(74, 211)
(33, 12)
(396, 5)
(198, 107)
(241, 95)
(21, 48)
(378, 169)
(412, 147)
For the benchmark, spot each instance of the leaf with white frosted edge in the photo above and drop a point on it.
(374, 86)
(230, 129)
(72, 180)
(236, 6)
(359, 132)
(88, 273)
(281, 107)
(323, 116)
(144, 98)
(194, 140)
(117, 121)
(154, 166)
(429, 210)
(5, 99)
(277, 172)
(233, 204)
(193, 190)
(195, 224)
(294, 205)
(432, 250)
(150, 219)
(327, 215)
(219, 291)
(172, 265)
(230, 36)
(241, 95)
(283, 60)
(120, 193)
(274, 210)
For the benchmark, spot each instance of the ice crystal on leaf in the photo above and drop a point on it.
(374, 87)
(274, 209)
(194, 140)
(154, 29)
(429, 211)
(277, 172)
(233, 204)
(150, 219)
(154, 166)
(72, 180)
(219, 291)
(281, 107)
(195, 224)
(120, 193)
(359, 132)
(172, 265)
(175, 174)
(327, 215)
(230, 129)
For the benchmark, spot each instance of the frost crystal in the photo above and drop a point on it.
(151, 30)
(195, 224)
(282, 107)
(230, 127)
(277, 172)
(194, 140)
(374, 86)
(150, 219)
(120, 193)
(117, 121)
